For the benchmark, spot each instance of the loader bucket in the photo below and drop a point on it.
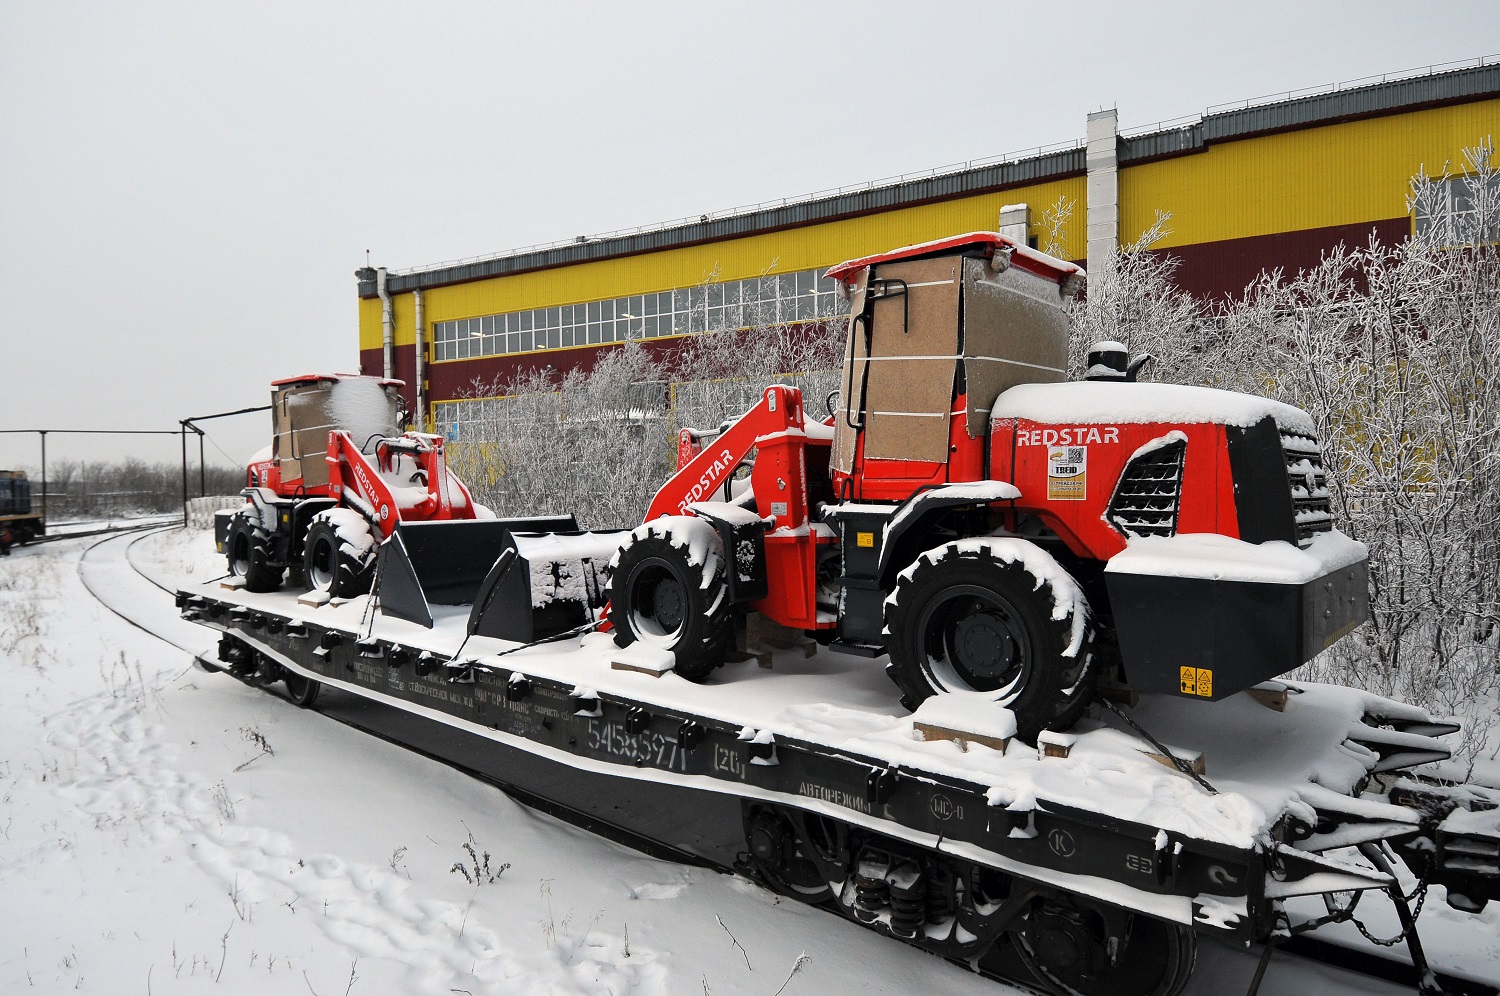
(548, 586)
(445, 563)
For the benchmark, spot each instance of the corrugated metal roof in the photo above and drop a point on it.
(1301, 112)
(1476, 81)
(935, 188)
(1173, 142)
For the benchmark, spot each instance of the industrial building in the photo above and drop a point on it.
(1254, 186)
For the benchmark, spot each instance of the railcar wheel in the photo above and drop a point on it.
(248, 551)
(1065, 946)
(337, 556)
(302, 690)
(667, 590)
(987, 617)
(775, 854)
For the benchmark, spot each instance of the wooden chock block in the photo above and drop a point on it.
(313, 598)
(1196, 760)
(931, 731)
(232, 584)
(644, 660)
(759, 656)
(1119, 694)
(1050, 744)
(1271, 694)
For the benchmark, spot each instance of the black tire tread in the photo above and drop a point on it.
(1059, 712)
(706, 636)
(260, 576)
(351, 576)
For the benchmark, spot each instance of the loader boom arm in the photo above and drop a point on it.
(423, 488)
(779, 409)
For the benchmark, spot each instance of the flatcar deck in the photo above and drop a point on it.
(687, 767)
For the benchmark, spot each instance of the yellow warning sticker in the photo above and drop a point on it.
(1197, 681)
(1067, 473)
(864, 539)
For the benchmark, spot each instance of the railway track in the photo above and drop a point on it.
(1363, 962)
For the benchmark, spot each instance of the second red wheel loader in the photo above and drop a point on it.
(337, 481)
(989, 527)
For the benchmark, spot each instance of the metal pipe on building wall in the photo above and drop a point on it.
(387, 324)
(1102, 189)
(421, 362)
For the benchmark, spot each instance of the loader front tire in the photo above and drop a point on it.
(332, 559)
(988, 617)
(661, 597)
(248, 551)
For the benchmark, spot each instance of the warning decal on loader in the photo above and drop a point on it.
(1067, 473)
(1197, 681)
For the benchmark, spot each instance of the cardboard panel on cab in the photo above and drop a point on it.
(850, 404)
(1015, 332)
(303, 421)
(914, 356)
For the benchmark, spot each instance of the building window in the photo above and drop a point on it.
(1454, 209)
(732, 304)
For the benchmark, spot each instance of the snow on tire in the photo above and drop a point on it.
(339, 553)
(668, 590)
(247, 548)
(996, 615)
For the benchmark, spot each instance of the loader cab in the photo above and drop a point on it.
(305, 409)
(936, 332)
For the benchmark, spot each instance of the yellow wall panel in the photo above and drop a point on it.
(1339, 174)
(796, 249)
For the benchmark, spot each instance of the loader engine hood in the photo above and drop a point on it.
(1210, 513)
(1098, 402)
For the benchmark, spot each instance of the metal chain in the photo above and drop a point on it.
(1420, 894)
(1177, 762)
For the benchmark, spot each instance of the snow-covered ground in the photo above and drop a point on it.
(163, 829)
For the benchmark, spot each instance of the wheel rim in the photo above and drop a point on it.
(973, 640)
(239, 559)
(1064, 948)
(300, 689)
(658, 602)
(323, 564)
(799, 878)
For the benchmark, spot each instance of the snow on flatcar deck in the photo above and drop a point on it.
(1264, 763)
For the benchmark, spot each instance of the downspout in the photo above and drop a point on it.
(387, 324)
(421, 362)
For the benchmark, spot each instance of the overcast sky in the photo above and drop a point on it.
(186, 189)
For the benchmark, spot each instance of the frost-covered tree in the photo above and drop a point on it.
(599, 443)
(1135, 301)
(1395, 351)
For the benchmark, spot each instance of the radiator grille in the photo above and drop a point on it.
(1146, 497)
(1308, 480)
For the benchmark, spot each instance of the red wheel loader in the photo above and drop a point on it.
(989, 527)
(337, 480)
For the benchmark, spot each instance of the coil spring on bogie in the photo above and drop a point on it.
(871, 894)
(939, 896)
(908, 898)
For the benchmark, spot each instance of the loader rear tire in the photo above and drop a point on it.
(331, 563)
(982, 617)
(661, 598)
(248, 552)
